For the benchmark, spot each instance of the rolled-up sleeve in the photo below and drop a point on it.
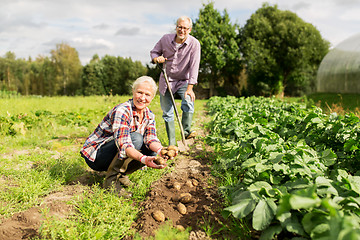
(156, 51)
(150, 133)
(194, 63)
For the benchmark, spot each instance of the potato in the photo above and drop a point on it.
(185, 197)
(180, 228)
(158, 216)
(195, 182)
(189, 183)
(181, 208)
(163, 151)
(159, 160)
(172, 147)
(171, 153)
(177, 185)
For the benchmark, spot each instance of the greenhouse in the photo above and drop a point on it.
(339, 71)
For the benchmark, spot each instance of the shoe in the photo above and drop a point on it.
(115, 180)
(186, 123)
(124, 180)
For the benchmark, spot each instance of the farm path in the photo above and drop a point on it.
(191, 175)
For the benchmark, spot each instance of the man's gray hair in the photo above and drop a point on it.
(144, 79)
(184, 18)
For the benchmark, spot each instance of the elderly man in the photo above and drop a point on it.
(181, 51)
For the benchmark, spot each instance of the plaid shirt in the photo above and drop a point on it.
(118, 124)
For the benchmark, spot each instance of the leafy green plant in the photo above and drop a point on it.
(285, 162)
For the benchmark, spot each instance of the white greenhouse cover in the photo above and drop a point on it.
(339, 71)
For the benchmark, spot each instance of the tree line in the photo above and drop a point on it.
(63, 74)
(274, 53)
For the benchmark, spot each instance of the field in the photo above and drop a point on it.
(48, 191)
(260, 168)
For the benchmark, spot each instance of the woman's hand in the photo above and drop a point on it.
(159, 153)
(149, 161)
(165, 152)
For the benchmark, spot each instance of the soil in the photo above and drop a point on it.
(25, 225)
(192, 173)
(203, 211)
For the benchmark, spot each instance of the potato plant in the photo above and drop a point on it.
(294, 170)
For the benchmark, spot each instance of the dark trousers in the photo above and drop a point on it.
(107, 152)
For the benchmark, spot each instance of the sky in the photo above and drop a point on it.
(131, 28)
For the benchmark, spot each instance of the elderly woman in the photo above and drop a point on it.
(125, 140)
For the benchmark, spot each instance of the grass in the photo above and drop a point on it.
(349, 102)
(39, 154)
(339, 103)
(168, 232)
(99, 215)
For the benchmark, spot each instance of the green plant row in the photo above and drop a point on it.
(19, 124)
(293, 170)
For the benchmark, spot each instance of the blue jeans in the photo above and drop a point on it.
(167, 106)
(107, 152)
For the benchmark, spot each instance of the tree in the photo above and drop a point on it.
(14, 74)
(281, 52)
(111, 75)
(7, 72)
(68, 69)
(92, 78)
(42, 75)
(220, 63)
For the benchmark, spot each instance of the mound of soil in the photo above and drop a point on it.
(25, 225)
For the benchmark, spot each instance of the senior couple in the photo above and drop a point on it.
(125, 140)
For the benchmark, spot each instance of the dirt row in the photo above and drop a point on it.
(190, 179)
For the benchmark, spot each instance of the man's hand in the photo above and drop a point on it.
(149, 161)
(189, 91)
(160, 59)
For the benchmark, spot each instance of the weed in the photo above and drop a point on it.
(168, 232)
(98, 215)
(209, 227)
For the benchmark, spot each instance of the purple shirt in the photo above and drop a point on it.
(182, 64)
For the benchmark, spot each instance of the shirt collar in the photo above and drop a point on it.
(186, 41)
(135, 114)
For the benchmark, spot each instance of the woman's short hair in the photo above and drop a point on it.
(144, 79)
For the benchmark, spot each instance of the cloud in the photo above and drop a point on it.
(102, 26)
(301, 5)
(12, 24)
(128, 31)
(130, 28)
(88, 43)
